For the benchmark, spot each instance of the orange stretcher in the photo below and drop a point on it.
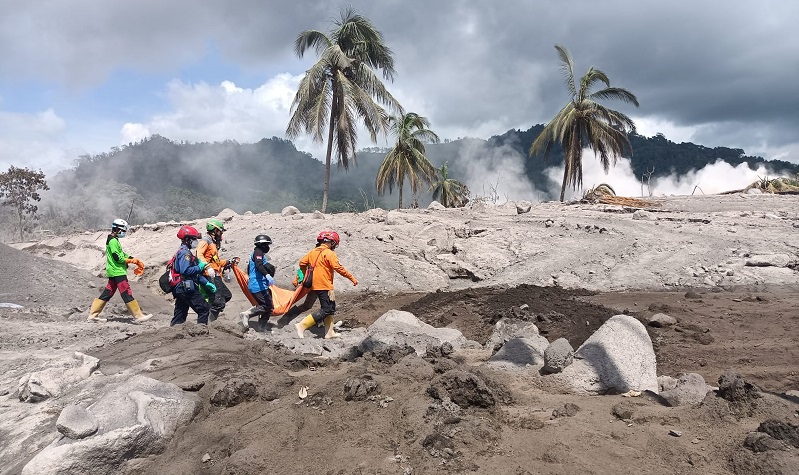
(282, 299)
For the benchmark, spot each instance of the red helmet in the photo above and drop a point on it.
(188, 232)
(330, 236)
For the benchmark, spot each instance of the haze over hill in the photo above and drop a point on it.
(158, 179)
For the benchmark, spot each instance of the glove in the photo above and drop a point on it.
(210, 287)
(295, 282)
(139, 270)
(202, 265)
(270, 281)
(354, 282)
(234, 262)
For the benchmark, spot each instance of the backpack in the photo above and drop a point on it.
(170, 278)
(308, 281)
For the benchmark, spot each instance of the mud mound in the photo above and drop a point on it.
(557, 312)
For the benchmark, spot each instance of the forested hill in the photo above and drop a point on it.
(158, 179)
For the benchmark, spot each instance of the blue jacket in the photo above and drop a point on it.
(186, 264)
(258, 271)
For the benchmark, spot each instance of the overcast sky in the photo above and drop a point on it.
(84, 76)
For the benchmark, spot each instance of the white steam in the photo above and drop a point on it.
(714, 178)
(495, 173)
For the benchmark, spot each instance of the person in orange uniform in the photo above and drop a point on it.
(208, 252)
(323, 261)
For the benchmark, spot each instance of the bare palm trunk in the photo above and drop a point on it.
(400, 196)
(329, 154)
(563, 186)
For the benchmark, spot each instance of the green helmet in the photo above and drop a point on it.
(215, 224)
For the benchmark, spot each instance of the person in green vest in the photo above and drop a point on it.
(116, 269)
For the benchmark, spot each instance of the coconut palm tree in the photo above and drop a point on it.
(342, 88)
(583, 122)
(449, 192)
(407, 158)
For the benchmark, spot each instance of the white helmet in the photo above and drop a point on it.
(120, 224)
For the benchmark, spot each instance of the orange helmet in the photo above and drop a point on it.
(329, 236)
(188, 232)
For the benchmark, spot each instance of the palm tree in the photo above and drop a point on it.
(451, 193)
(583, 122)
(342, 87)
(407, 158)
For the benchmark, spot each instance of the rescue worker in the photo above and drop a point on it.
(116, 269)
(208, 252)
(261, 276)
(322, 261)
(186, 277)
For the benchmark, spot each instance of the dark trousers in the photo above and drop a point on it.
(265, 306)
(193, 299)
(328, 306)
(221, 297)
(117, 283)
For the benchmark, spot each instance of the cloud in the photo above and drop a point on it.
(213, 113)
(32, 140)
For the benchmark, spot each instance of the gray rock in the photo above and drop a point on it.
(661, 320)
(435, 205)
(319, 215)
(519, 353)
(233, 392)
(768, 260)
(689, 389)
(523, 207)
(76, 422)
(398, 328)
(136, 419)
(358, 389)
(507, 328)
(558, 355)
(289, 211)
(666, 383)
(643, 215)
(53, 381)
(761, 442)
(617, 357)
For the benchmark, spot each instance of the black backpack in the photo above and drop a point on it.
(170, 278)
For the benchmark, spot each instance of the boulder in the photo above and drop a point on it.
(136, 419)
(53, 381)
(519, 353)
(659, 320)
(289, 211)
(435, 205)
(618, 357)
(76, 422)
(558, 355)
(507, 328)
(319, 215)
(398, 328)
(768, 260)
(523, 207)
(690, 388)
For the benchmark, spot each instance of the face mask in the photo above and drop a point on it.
(122, 234)
(195, 243)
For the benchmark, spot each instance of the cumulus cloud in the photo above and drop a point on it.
(204, 112)
(32, 140)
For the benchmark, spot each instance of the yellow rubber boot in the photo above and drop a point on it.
(94, 311)
(135, 310)
(329, 332)
(303, 325)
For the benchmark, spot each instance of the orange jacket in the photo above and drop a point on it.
(208, 253)
(325, 261)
